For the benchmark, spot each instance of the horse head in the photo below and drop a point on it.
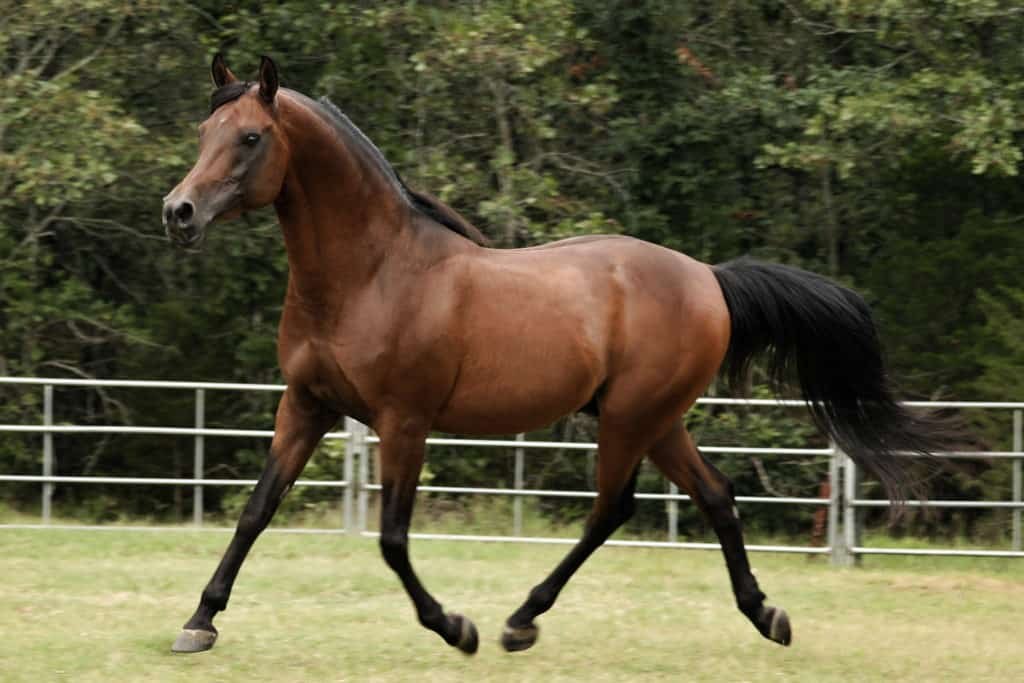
(243, 156)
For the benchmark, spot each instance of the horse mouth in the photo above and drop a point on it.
(187, 237)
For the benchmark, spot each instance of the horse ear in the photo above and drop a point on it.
(268, 79)
(221, 73)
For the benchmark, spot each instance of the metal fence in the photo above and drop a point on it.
(844, 504)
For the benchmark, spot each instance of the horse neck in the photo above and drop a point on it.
(340, 215)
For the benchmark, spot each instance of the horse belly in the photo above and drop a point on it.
(520, 387)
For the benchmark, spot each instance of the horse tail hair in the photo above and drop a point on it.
(807, 326)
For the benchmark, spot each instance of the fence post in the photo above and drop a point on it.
(673, 514)
(357, 439)
(518, 481)
(851, 532)
(198, 456)
(837, 549)
(47, 452)
(1018, 446)
(349, 475)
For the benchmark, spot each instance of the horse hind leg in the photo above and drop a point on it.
(618, 459)
(680, 461)
(402, 452)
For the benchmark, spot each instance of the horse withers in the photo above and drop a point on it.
(397, 314)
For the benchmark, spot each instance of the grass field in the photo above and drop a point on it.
(92, 606)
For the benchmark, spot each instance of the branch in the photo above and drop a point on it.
(206, 15)
(105, 397)
(820, 28)
(762, 474)
(82, 336)
(84, 61)
(557, 159)
(118, 333)
(84, 225)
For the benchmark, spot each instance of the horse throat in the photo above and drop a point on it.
(339, 217)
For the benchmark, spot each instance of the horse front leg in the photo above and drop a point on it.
(299, 425)
(401, 459)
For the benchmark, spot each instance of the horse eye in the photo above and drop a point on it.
(251, 139)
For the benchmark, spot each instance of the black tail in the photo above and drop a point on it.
(808, 326)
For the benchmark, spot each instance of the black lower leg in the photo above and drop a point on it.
(520, 632)
(721, 512)
(719, 505)
(396, 512)
(258, 511)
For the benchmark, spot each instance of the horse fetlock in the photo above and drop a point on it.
(213, 600)
(434, 619)
(750, 601)
(541, 599)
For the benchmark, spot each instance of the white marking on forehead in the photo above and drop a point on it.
(223, 119)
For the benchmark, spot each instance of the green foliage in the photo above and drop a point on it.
(879, 143)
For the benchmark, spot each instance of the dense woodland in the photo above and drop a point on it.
(875, 142)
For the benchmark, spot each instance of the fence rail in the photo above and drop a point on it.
(844, 504)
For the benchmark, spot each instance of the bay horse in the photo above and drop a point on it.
(397, 314)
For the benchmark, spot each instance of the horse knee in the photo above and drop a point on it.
(251, 523)
(394, 545)
(260, 509)
(393, 540)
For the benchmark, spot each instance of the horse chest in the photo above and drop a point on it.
(327, 374)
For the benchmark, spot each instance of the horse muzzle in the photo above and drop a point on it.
(180, 223)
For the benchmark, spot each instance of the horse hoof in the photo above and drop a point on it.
(469, 640)
(514, 639)
(194, 640)
(775, 625)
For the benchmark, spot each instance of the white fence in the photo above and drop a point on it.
(844, 503)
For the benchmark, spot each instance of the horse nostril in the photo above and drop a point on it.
(184, 211)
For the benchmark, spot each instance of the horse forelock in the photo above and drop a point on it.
(229, 92)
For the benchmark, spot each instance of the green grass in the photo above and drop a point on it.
(92, 606)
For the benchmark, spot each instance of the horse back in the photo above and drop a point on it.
(544, 331)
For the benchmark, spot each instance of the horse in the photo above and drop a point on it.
(398, 314)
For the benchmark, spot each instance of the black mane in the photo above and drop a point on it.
(430, 207)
